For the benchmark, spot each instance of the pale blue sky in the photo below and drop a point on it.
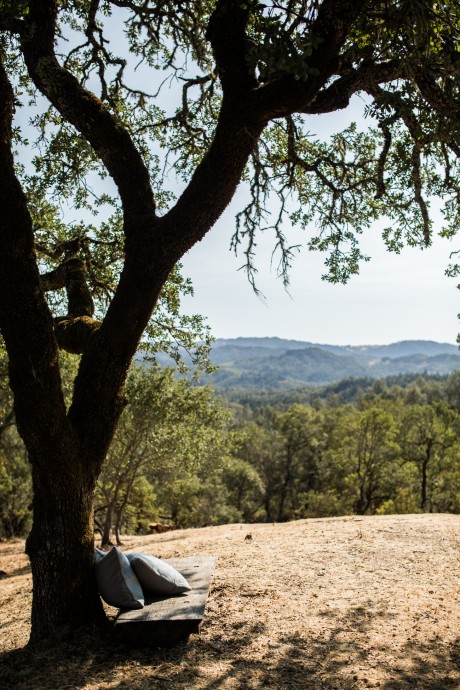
(395, 297)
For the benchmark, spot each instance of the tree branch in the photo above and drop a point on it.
(75, 334)
(434, 95)
(387, 139)
(286, 95)
(11, 24)
(338, 94)
(71, 275)
(25, 320)
(417, 182)
(420, 140)
(85, 112)
(227, 35)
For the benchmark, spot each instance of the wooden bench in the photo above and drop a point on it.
(165, 621)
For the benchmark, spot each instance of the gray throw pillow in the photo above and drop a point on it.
(156, 576)
(99, 554)
(117, 582)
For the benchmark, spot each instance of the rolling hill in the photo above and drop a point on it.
(280, 364)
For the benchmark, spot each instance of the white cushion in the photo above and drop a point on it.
(117, 582)
(156, 576)
(99, 554)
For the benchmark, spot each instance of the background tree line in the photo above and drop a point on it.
(187, 459)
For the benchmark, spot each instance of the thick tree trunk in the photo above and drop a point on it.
(60, 545)
(61, 551)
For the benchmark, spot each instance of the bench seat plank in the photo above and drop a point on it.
(164, 621)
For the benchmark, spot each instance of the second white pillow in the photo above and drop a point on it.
(156, 576)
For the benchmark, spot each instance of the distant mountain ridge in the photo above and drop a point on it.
(278, 363)
(398, 349)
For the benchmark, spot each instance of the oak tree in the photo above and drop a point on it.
(246, 74)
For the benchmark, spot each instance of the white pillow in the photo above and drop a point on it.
(99, 554)
(156, 576)
(117, 582)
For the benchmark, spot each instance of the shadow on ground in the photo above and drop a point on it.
(239, 656)
(24, 570)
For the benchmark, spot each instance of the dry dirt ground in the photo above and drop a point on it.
(341, 603)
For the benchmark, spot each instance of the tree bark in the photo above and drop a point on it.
(61, 551)
(60, 545)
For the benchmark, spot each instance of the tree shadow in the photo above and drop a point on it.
(348, 656)
(17, 572)
(11, 547)
(89, 658)
(344, 660)
(433, 666)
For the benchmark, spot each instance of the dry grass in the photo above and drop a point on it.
(344, 604)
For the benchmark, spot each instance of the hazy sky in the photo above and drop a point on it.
(395, 297)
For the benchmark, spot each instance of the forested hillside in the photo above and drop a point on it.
(185, 458)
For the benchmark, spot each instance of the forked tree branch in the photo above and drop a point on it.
(227, 34)
(84, 111)
(434, 95)
(71, 275)
(25, 320)
(338, 94)
(287, 95)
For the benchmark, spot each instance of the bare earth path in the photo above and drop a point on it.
(334, 604)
